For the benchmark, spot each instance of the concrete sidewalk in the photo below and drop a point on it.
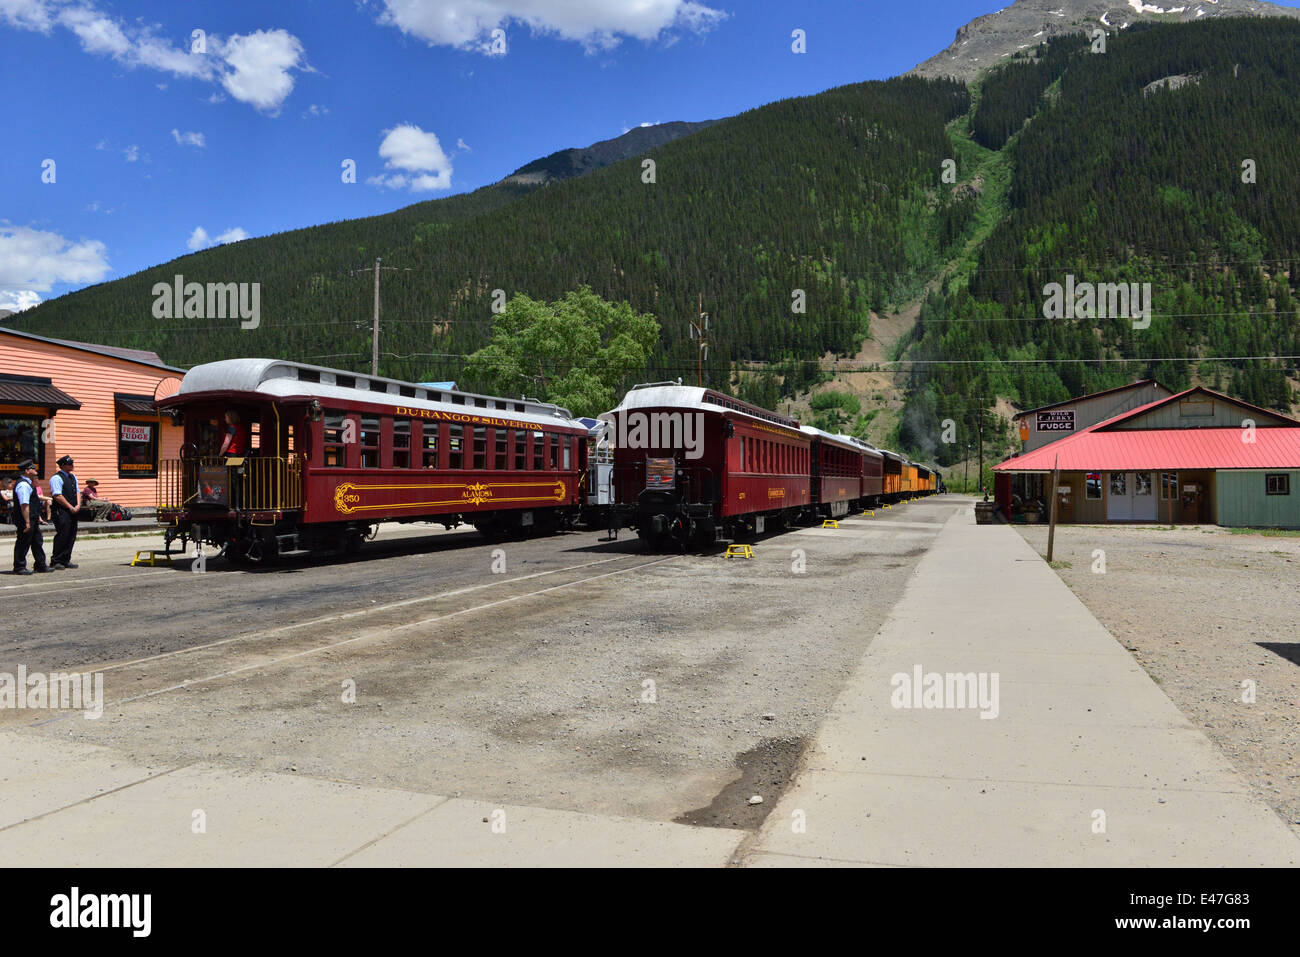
(1087, 762)
(71, 804)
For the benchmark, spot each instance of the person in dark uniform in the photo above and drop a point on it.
(29, 521)
(65, 500)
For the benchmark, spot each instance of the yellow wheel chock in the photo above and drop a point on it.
(150, 558)
(870, 511)
(739, 551)
(830, 523)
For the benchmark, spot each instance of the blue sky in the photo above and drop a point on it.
(158, 150)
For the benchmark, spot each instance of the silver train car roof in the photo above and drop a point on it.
(283, 379)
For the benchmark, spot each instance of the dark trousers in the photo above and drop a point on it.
(65, 535)
(32, 539)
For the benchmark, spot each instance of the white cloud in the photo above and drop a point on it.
(33, 260)
(596, 24)
(253, 68)
(131, 153)
(189, 139)
(462, 145)
(418, 157)
(199, 239)
(260, 65)
(315, 110)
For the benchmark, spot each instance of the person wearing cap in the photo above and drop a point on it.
(29, 521)
(65, 499)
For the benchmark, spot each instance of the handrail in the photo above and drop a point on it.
(258, 483)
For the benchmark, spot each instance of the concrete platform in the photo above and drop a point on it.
(70, 804)
(1086, 763)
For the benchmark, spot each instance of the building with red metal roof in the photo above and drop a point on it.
(1195, 457)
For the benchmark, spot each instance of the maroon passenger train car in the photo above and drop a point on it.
(846, 473)
(694, 465)
(329, 454)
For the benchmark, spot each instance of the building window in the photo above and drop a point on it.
(1092, 486)
(401, 443)
(1168, 486)
(1141, 483)
(137, 449)
(1118, 484)
(20, 439)
(1277, 483)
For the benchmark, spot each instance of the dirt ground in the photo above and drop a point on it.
(587, 675)
(1205, 610)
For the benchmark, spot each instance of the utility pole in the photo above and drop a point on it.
(698, 331)
(1051, 519)
(966, 482)
(374, 335)
(981, 432)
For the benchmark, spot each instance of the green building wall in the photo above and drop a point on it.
(1242, 500)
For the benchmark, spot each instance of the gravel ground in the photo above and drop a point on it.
(1204, 610)
(589, 676)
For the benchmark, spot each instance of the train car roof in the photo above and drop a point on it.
(280, 378)
(846, 441)
(661, 395)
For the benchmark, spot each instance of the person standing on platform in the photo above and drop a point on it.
(66, 499)
(29, 521)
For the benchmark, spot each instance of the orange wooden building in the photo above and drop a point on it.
(95, 403)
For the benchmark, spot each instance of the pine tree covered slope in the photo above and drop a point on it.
(833, 194)
(1119, 178)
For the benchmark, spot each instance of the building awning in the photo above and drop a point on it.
(35, 392)
(134, 403)
(1149, 450)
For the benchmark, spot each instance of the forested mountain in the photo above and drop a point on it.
(1119, 178)
(833, 195)
(1168, 159)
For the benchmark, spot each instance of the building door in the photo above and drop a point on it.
(1119, 497)
(1144, 496)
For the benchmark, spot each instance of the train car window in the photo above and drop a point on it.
(480, 446)
(335, 451)
(521, 449)
(555, 451)
(345, 381)
(308, 375)
(401, 443)
(503, 450)
(456, 454)
(568, 446)
(430, 443)
(406, 391)
(539, 445)
(458, 399)
(377, 386)
(369, 442)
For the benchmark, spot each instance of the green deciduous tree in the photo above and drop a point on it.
(576, 352)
